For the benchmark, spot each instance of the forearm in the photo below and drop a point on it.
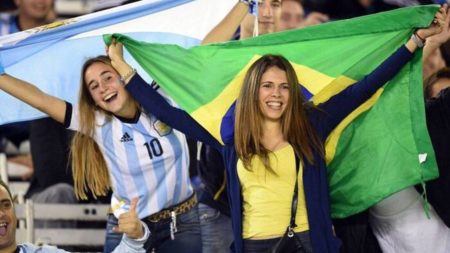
(340, 105)
(33, 96)
(386, 70)
(126, 72)
(155, 104)
(225, 30)
(411, 46)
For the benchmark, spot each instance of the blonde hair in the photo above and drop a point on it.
(295, 125)
(89, 168)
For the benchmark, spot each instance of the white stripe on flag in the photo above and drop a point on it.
(52, 59)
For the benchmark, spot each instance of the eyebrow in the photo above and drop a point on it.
(5, 201)
(92, 81)
(270, 81)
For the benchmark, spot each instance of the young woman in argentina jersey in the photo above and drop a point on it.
(271, 125)
(121, 146)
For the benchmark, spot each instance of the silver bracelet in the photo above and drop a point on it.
(417, 41)
(127, 75)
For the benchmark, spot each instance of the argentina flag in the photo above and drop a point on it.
(51, 56)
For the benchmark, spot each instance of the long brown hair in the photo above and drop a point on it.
(434, 78)
(89, 167)
(296, 128)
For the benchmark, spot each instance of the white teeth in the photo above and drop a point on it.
(108, 96)
(3, 224)
(274, 104)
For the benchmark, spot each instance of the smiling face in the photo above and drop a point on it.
(8, 221)
(107, 91)
(273, 94)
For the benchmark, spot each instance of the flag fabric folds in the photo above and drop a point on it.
(51, 56)
(375, 151)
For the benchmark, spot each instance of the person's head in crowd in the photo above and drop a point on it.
(433, 63)
(269, 13)
(437, 82)
(292, 14)
(8, 220)
(273, 83)
(33, 13)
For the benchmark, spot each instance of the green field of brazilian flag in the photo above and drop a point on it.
(375, 151)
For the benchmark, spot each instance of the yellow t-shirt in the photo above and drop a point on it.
(267, 198)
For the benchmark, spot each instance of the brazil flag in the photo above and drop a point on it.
(379, 149)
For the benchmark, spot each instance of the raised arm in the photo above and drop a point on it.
(157, 105)
(435, 41)
(30, 94)
(225, 30)
(154, 103)
(339, 106)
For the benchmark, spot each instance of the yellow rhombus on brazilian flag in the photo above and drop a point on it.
(375, 151)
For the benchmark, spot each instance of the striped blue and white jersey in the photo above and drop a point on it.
(146, 159)
(8, 24)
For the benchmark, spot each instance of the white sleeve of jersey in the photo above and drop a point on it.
(75, 119)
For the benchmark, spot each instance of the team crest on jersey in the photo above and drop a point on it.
(52, 25)
(162, 128)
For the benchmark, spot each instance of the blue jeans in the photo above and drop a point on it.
(217, 233)
(263, 246)
(112, 238)
(187, 238)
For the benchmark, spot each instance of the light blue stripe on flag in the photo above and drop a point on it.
(27, 46)
(51, 59)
